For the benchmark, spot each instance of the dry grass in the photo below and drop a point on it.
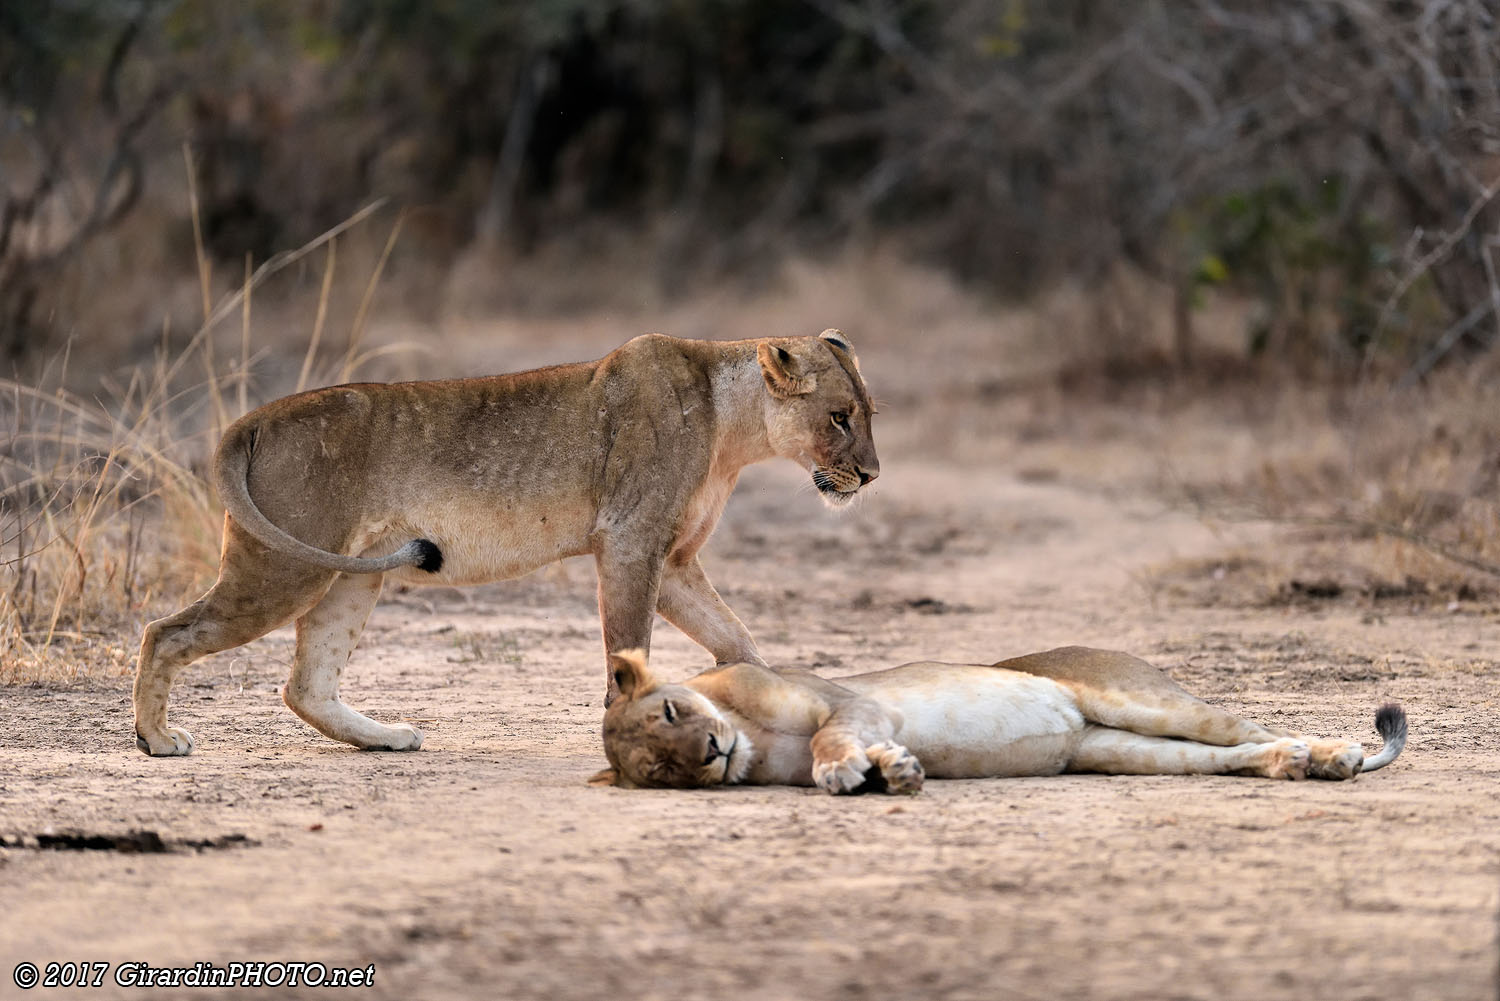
(1377, 493)
(105, 517)
(102, 517)
(1411, 475)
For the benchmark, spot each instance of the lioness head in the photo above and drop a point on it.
(666, 736)
(818, 412)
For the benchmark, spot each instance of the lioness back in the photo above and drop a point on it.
(460, 463)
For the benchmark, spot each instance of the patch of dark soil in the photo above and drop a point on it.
(1385, 590)
(135, 842)
(1320, 588)
(1237, 581)
(1376, 590)
(935, 606)
(867, 600)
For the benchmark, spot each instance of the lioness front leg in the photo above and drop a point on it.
(899, 768)
(325, 638)
(855, 738)
(689, 602)
(629, 580)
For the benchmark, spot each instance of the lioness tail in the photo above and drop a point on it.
(232, 479)
(1391, 722)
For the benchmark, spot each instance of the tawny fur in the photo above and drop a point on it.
(1071, 709)
(630, 458)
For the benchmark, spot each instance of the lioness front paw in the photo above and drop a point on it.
(1335, 759)
(899, 767)
(1287, 758)
(401, 737)
(170, 742)
(842, 775)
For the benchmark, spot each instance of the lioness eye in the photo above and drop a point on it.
(669, 711)
(840, 420)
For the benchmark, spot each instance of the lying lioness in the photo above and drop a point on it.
(1067, 710)
(630, 458)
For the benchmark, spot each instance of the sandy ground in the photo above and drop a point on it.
(484, 866)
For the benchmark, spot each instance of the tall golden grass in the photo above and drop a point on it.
(102, 515)
(105, 515)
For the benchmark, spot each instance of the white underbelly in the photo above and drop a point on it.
(1039, 754)
(982, 722)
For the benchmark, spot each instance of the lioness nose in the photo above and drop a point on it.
(866, 475)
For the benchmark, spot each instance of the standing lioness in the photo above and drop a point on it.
(630, 458)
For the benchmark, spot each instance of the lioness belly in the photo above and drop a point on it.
(978, 722)
(488, 538)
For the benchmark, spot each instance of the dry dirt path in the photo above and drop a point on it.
(484, 866)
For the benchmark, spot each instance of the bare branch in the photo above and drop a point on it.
(1435, 255)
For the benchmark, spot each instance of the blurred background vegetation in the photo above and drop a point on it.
(1238, 255)
(1332, 162)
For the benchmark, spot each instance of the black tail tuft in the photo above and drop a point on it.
(1390, 721)
(432, 561)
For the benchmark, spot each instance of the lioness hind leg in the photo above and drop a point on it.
(1169, 713)
(1117, 690)
(1123, 692)
(1335, 759)
(326, 636)
(237, 609)
(1119, 752)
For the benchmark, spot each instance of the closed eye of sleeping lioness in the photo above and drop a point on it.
(1068, 710)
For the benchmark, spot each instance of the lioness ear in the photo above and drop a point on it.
(782, 373)
(632, 677)
(838, 339)
(608, 777)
